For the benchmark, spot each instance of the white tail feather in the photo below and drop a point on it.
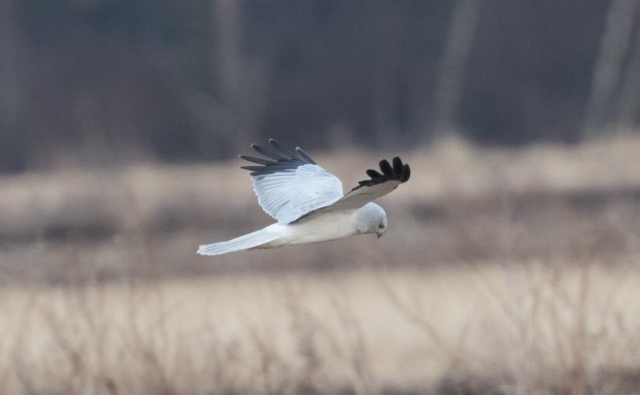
(248, 241)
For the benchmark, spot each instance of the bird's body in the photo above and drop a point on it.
(319, 227)
(308, 202)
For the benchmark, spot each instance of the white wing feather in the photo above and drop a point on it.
(290, 194)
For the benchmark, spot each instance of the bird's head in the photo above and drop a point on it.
(372, 219)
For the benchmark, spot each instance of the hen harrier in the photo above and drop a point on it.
(308, 203)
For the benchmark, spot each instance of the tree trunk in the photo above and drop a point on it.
(10, 137)
(453, 65)
(614, 48)
(628, 108)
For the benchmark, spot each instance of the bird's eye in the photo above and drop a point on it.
(380, 226)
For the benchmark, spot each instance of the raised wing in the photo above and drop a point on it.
(379, 185)
(290, 184)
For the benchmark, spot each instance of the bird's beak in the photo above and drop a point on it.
(379, 234)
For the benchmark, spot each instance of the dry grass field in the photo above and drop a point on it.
(502, 272)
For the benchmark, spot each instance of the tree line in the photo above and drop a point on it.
(96, 83)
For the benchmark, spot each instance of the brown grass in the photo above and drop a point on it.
(531, 329)
(503, 272)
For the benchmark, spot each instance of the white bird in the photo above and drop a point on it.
(308, 203)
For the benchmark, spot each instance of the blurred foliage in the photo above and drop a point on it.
(101, 82)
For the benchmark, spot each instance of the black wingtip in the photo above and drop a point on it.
(253, 159)
(267, 152)
(386, 168)
(277, 158)
(398, 171)
(406, 173)
(285, 152)
(397, 165)
(305, 156)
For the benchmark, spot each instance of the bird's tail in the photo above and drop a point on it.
(248, 241)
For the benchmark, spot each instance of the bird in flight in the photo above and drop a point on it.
(308, 203)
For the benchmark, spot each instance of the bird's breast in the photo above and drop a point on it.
(323, 227)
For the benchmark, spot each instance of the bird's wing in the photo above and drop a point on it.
(378, 185)
(290, 184)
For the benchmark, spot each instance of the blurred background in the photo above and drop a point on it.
(102, 82)
(512, 259)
